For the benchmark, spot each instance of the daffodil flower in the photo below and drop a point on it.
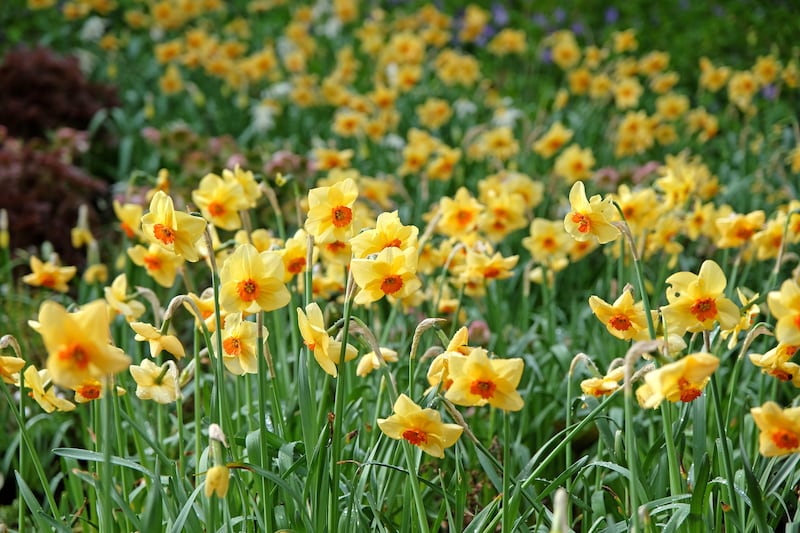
(421, 427)
(478, 380)
(780, 429)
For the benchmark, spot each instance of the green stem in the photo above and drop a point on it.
(631, 455)
(508, 518)
(339, 400)
(262, 421)
(419, 503)
(726, 452)
(568, 450)
(675, 483)
(107, 522)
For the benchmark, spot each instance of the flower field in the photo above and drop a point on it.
(399, 266)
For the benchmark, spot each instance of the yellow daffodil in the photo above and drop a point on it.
(439, 371)
(10, 367)
(391, 273)
(172, 230)
(697, 301)
(252, 282)
(42, 390)
(371, 361)
(601, 386)
(240, 344)
(737, 230)
(776, 362)
(49, 274)
(548, 242)
(624, 319)
(157, 383)
(553, 140)
(780, 429)
(159, 263)
(590, 219)
(120, 302)
(79, 344)
(220, 201)
(478, 380)
(683, 380)
(784, 304)
(421, 427)
(157, 340)
(130, 218)
(574, 164)
(388, 232)
(460, 214)
(81, 234)
(248, 182)
(205, 304)
(294, 255)
(217, 481)
(326, 351)
(330, 211)
(92, 390)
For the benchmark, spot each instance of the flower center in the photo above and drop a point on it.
(688, 392)
(781, 374)
(90, 391)
(548, 243)
(491, 272)
(483, 388)
(620, 322)
(216, 209)
(464, 217)
(152, 262)
(336, 246)
(396, 243)
(415, 436)
(247, 289)
(127, 229)
(232, 346)
(164, 234)
(48, 280)
(391, 284)
(583, 222)
(785, 439)
(341, 216)
(704, 309)
(75, 353)
(296, 265)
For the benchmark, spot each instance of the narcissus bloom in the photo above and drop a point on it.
(421, 427)
(590, 219)
(371, 361)
(439, 371)
(601, 386)
(388, 232)
(391, 273)
(240, 344)
(42, 390)
(157, 340)
(217, 480)
(157, 383)
(49, 274)
(220, 201)
(120, 302)
(159, 263)
(574, 163)
(10, 367)
(780, 429)
(250, 281)
(776, 362)
(294, 255)
(683, 380)
(478, 380)
(79, 344)
(697, 301)
(624, 319)
(553, 140)
(330, 211)
(172, 230)
(130, 218)
(327, 351)
(785, 306)
(459, 214)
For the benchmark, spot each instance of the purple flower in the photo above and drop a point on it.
(612, 15)
(559, 15)
(499, 14)
(540, 20)
(547, 56)
(577, 28)
(770, 92)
